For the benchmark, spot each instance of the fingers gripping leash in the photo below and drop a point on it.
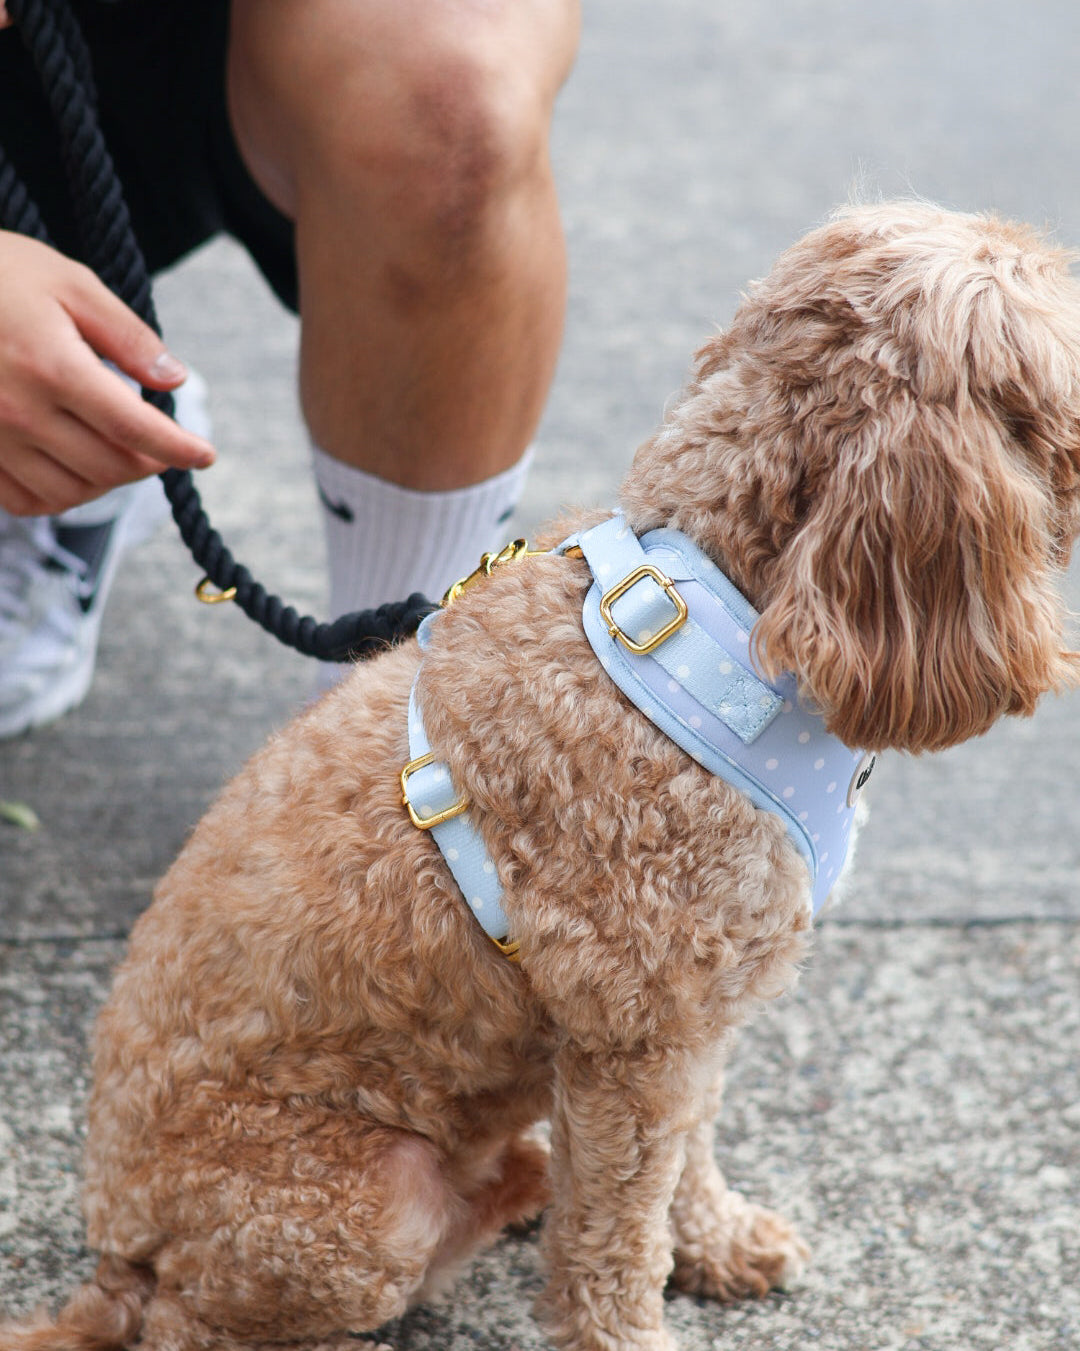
(58, 51)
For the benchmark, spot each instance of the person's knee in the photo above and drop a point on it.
(466, 135)
(430, 122)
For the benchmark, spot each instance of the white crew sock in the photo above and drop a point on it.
(384, 542)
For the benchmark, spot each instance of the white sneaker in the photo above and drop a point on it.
(55, 575)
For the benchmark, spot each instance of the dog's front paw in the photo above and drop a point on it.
(587, 1318)
(596, 1337)
(744, 1250)
(349, 1341)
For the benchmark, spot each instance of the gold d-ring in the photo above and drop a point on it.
(209, 597)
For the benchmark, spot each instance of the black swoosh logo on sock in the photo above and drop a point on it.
(341, 510)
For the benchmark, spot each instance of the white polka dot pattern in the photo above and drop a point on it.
(787, 763)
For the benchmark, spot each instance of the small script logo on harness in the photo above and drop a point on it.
(859, 779)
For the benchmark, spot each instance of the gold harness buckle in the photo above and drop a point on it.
(620, 588)
(518, 548)
(436, 818)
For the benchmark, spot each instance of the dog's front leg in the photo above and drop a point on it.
(726, 1247)
(618, 1143)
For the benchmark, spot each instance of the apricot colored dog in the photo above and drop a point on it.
(316, 1079)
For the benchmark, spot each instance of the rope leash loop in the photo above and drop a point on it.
(58, 50)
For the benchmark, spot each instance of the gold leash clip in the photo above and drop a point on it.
(510, 553)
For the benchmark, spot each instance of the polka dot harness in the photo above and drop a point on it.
(697, 683)
(674, 634)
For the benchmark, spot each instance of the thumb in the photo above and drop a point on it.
(116, 333)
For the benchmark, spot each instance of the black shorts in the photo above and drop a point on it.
(159, 66)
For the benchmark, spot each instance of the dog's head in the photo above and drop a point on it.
(883, 452)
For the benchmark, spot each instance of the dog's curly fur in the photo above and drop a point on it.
(315, 1079)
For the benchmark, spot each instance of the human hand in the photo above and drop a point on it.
(5, 17)
(70, 427)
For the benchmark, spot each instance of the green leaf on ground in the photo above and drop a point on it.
(19, 814)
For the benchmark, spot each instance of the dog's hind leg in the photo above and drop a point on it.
(725, 1246)
(287, 1224)
(517, 1189)
(169, 1326)
(354, 1253)
(509, 1187)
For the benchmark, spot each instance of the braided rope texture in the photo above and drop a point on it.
(56, 46)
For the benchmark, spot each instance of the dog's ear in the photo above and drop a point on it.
(883, 453)
(915, 602)
(934, 405)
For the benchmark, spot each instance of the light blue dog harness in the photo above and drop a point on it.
(434, 804)
(675, 636)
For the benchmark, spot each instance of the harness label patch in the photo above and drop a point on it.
(859, 779)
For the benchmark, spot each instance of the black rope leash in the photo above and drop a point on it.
(108, 245)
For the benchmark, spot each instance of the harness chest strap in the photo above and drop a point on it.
(434, 804)
(699, 686)
(674, 634)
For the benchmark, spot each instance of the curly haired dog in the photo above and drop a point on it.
(315, 1079)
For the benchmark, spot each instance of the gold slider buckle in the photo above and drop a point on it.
(510, 950)
(209, 597)
(436, 818)
(620, 589)
(510, 553)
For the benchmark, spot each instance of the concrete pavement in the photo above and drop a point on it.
(916, 1105)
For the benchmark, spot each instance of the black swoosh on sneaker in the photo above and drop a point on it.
(89, 544)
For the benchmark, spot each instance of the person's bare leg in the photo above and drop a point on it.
(408, 140)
